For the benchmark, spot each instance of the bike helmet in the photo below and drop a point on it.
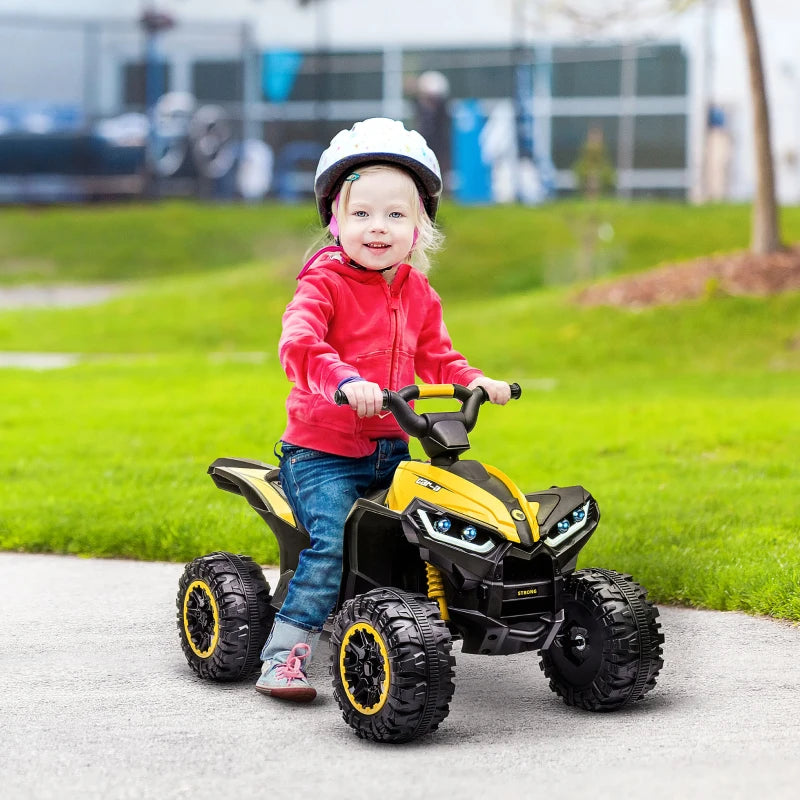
(377, 140)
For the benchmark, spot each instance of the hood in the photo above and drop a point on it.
(333, 258)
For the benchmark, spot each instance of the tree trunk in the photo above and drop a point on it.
(765, 237)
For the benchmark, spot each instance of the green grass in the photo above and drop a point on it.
(495, 250)
(117, 243)
(683, 422)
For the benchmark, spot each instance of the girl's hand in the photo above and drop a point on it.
(365, 398)
(499, 391)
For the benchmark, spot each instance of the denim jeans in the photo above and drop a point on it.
(321, 489)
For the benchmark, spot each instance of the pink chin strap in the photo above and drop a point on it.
(333, 227)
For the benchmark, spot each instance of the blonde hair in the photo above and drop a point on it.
(429, 237)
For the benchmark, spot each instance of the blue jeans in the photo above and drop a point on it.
(321, 489)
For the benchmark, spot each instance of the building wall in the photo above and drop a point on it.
(709, 32)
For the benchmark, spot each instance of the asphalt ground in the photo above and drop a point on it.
(97, 701)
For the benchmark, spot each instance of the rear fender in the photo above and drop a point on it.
(255, 481)
(259, 484)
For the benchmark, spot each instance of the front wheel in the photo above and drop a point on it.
(608, 651)
(391, 665)
(224, 615)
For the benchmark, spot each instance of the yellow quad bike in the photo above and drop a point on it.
(454, 550)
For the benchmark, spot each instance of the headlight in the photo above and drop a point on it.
(570, 524)
(458, 533)
(469, 533)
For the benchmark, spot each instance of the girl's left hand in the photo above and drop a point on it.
(499, 391)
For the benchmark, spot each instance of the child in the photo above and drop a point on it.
(361, 319)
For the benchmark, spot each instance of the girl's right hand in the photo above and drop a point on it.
(365, 398)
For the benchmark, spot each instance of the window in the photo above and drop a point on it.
(586, 72)
(134, 82)
(480, 73)
(339, 76)
(660, 142)
(217, 81)
(660, 71)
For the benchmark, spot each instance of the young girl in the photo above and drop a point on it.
(362, 318)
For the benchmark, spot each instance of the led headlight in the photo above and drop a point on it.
(469, 534)
(469, 537)
(570, 524)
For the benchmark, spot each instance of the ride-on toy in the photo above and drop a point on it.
(453, 550)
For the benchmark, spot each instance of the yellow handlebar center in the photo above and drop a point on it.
(436, 390)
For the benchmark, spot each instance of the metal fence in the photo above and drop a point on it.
(97, 108)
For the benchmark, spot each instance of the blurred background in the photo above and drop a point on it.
(523, 100)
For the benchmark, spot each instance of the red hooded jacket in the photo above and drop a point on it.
(345, 322)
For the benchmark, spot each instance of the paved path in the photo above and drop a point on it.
(56, 295)
(97, 702)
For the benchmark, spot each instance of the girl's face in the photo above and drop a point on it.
(376, 227)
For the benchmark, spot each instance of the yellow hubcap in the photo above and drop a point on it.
(200, 619)
(364, 668)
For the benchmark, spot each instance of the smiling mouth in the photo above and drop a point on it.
(377, 246)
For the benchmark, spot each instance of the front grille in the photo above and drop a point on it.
(527, 587)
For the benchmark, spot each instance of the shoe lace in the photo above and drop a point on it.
(292, 669)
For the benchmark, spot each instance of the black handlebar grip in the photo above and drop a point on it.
(340, 398)
(516, 391)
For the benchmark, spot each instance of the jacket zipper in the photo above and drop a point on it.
(394, 302)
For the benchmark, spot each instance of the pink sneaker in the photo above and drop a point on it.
(287, 679)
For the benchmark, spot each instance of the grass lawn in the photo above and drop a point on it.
(683, 422)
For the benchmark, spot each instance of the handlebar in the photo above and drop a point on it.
(418, 425)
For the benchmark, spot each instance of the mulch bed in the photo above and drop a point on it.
(741, 273)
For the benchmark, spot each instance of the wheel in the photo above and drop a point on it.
(608, 651)
(391, 665)
(224, 615)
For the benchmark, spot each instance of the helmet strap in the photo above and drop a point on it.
(333, 226)
(356, 265)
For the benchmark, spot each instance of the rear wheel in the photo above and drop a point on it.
(392, 666)
(224, 615)
(608, 651)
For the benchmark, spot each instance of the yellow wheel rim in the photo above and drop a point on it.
(200, 619)
(364, 668)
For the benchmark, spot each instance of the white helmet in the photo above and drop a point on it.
(377, 140)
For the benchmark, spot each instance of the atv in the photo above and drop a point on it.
(453, 550)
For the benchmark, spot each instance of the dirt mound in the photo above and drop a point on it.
(741, 273)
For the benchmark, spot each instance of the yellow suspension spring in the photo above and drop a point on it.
(436, 589)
